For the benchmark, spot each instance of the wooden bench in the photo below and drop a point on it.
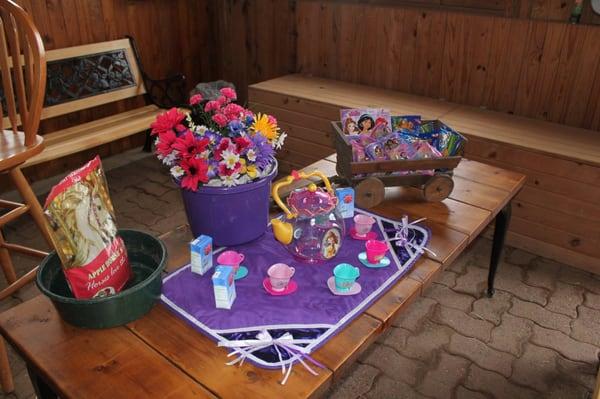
(556, 215)
(83, 77)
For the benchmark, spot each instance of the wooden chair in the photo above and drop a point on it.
(23, 69)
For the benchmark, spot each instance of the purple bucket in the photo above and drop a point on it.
(230, 215)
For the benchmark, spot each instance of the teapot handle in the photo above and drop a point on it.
(292, 178)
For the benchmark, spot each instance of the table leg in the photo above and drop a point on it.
(42, 390)
(501, 226)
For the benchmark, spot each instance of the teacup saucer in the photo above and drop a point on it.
(355, 289)
(384, 262)
(290, 289)
(371, 235)
(241, 273)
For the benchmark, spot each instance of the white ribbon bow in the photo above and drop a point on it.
(402, 237)
(263, 340)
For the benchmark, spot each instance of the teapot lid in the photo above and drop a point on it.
(311, 201)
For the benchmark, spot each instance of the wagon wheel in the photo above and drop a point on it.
(369, 192)
(438, 188)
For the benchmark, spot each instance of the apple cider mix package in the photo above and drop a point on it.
(83, 229)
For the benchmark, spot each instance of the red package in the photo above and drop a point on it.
(83, 230)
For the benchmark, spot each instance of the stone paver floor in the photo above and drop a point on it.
(539, 337)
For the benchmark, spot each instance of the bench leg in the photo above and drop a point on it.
(148, 143)
(42, 390)
(501, 226)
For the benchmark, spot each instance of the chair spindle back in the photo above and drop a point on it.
(23, 67)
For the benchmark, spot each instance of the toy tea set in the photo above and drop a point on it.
(312, 229)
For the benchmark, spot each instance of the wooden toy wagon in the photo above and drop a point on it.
(370, 178)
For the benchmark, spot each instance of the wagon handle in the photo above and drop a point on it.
(292, 178)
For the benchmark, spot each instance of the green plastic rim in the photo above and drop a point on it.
(93, 301)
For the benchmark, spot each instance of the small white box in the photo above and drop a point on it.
(201, 254)
(224, 286)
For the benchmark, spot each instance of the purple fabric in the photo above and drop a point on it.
(312, 304)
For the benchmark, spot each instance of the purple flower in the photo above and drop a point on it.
(213, 138)
(264, 151)
(212, 168)
(235, 126)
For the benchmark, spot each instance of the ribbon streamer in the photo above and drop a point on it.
(402, 237)
(263, 340)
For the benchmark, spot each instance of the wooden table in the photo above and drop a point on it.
(162, 356)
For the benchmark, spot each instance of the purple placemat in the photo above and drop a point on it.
(306, 318)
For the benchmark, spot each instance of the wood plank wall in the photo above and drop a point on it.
(255, 40)
(173, 36)
(540, 69)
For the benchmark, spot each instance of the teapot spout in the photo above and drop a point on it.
(283, 231)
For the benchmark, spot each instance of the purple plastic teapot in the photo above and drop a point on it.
(311, 228)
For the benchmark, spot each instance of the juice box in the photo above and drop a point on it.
(345, 204)
(201, 254)
(224, 286)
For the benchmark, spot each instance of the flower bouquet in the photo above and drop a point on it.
(218, 143)
(222, 156)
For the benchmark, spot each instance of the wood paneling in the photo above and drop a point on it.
(254, 40)
(540, 69)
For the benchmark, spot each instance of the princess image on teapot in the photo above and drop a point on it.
(331, 244)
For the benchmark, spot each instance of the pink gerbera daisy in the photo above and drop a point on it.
(196, 170)
(190, 145)
(164, 147)
(168, 121)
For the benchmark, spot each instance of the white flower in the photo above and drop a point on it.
(204, 154)
(170, 159)
(230, 158)
(200, 130)
(279, 142)
(251, 155)
(243, 179)
(230, 181)
(215, 183)
(177, 171)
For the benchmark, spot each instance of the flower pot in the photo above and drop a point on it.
(147, 256)
(230, 215)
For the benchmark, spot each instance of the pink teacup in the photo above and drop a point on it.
(231, 258)
(363, 224)
(375, 250)
(280, 275)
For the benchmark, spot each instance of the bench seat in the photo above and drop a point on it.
(557, 213)
(95, 133)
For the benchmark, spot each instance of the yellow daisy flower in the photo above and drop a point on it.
(243, 167)
(251, 170)
(264, 126)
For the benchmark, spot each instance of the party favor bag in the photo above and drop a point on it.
(84, 233)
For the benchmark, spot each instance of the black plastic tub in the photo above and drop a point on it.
(147, 256)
